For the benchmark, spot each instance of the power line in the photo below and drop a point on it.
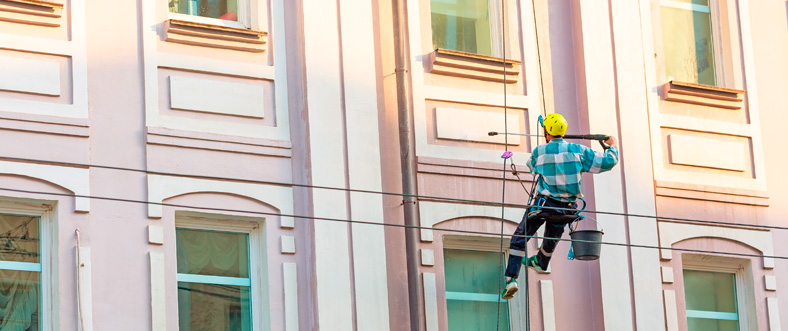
(164, 204)
(419, 196)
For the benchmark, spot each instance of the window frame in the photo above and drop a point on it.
(486, 244)
(244, 16)
(46, 211)
(723, 78)
(743, 280)
(258, 258)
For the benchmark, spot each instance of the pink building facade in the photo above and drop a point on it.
(192, 164)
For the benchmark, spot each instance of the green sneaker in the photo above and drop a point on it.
(511, 289)
(532, 262)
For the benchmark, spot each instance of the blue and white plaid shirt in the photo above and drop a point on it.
(560, 165)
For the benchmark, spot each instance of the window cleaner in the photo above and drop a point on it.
(559, 166)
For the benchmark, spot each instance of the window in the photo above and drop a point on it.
(231, 13)
(472, 280)
(711, 301)
(216, 283)
(20, 272)
(688, 43)
(463, 25)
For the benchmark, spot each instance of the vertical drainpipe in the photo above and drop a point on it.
(407, 162)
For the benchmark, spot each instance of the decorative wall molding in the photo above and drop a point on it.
(671, 233)
(454, 124)
(76, 180)
(290, 279)
(33, 12)
(705, 95)
(253, 65)
(774, 314)
(433, 213)
(671, 312)
(158, 300)
(469, 65)
(218, 36)
(216, 142)
(430, 300)
(77, 127)
(161, 188)
(71, 54)
(715, 154)
(469, 168)
(548, 304)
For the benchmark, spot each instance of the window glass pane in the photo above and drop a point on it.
(710, 291)
(19, 292)
(703, 324)
(19, 238)
(476, 315)
(214, 253)
(694, 2)
(223, 9)
(687, 42)
(213, 307)
(474, 272)
(461, 25)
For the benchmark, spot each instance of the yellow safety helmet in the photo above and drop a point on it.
(555, 125)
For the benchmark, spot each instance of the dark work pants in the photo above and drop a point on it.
(528, 227)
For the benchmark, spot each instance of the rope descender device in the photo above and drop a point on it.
(507, 155)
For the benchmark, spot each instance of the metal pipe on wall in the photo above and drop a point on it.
(407, 162)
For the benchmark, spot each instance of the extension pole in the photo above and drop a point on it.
(407, 162)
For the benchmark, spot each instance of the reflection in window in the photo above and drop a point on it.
(20, 272)
(214, 285)
(687, 41)
(221, 9)
(462, 25)
(472, 280)
(711, 301)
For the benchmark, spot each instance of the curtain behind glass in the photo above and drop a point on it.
(461, 25)
(213, 306)
(212, 253)
(688, 46)
(19, 290)
(206, 8)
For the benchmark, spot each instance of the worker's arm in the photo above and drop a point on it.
(532, 161)
(596, 162)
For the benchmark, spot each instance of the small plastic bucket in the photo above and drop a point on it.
(586, 251)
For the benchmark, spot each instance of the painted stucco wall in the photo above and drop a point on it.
(240, 124)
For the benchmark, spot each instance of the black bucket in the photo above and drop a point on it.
(586, 251)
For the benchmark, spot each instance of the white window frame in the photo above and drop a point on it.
(745, 288)
(244, 16)
(494, 7)
(45, 211)
(488, 244)
(258, 259)
(716, 34)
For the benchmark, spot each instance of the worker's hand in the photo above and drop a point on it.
(611, 141)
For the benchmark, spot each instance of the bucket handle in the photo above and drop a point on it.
(582, 217)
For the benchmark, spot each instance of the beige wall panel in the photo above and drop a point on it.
(206, 95)
(30, 75)
(705, 157)
(469, 125)
(708, 152)
(207, 98)
(466, 126)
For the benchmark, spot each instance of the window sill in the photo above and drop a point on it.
(705, 95)
(469, 65)
(217, 36)
(33, 12)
